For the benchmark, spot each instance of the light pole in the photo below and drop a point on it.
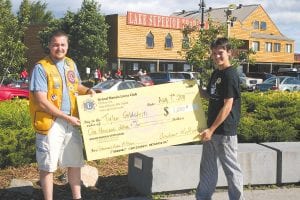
(201, 7)
(229, 18)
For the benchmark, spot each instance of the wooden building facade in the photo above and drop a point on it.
(149, 42)
(253, 25)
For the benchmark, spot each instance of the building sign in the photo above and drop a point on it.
(159, 21)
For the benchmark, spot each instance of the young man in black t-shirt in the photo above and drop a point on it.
(220, 138)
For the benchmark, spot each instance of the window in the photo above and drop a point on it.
(256, 24)
(288, 48)
(263, 26)
(277, 47)
(185, 42)
(255, 45)
(268, 47)
(150, 40)
(168, 41)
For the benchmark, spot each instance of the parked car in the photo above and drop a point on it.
(116, 84)
(248, 83)
(287, 69)
(166, 77)
(291, 72)
(284, 83)
(144, 79)
(260, 75)
(18, 84)
(191, 75)
(9, 93)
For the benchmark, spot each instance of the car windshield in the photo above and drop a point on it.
(106, 84)
(129, 85)
(176, 76)
(281, 79)
(187, 76)
(272, 80)
(291, 80)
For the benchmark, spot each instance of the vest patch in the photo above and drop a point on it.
(89, 105)
(71, 88)
(71, 76)
(53, 97)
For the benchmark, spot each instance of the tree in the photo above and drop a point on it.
(89, 36)
(12, 49)
(24, 14)
(199, 53)
(87, 32)
(39, 13)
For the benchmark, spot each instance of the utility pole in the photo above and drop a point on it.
(201, 7)
(230, 19)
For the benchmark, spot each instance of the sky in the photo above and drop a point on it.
(284, 13)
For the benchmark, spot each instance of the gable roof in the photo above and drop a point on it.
(218, 14)
(241, 12)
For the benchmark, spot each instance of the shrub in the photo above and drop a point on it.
(258, 131)
(270, 117)
(16, 134)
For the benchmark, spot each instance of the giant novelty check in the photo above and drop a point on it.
(127, 121)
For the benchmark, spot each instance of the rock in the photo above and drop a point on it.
(89, 176)
(21, 186)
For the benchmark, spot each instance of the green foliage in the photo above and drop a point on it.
(270, 117)
(12, 49)
(16, 134)
(24, 14)
(199, 53)
(274, 130)
(39, 13)
(87, 32)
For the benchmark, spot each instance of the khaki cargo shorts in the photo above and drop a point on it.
(62, 146)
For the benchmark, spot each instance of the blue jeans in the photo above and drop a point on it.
(223, 148)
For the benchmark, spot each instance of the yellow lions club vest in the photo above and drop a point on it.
(43, 121)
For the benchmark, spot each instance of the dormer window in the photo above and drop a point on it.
(256, 24)
(263, 26)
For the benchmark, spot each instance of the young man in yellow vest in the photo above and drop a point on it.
(54, 85)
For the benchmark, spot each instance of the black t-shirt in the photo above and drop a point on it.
(222, 85)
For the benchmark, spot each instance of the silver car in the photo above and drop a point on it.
(283, 83)
(116, 84)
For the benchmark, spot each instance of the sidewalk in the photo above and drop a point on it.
(268, 194)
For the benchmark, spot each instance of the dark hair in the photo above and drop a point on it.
(58, 33)
(221, 42)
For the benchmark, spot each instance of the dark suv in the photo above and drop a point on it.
(166, 77)
(290, 73)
